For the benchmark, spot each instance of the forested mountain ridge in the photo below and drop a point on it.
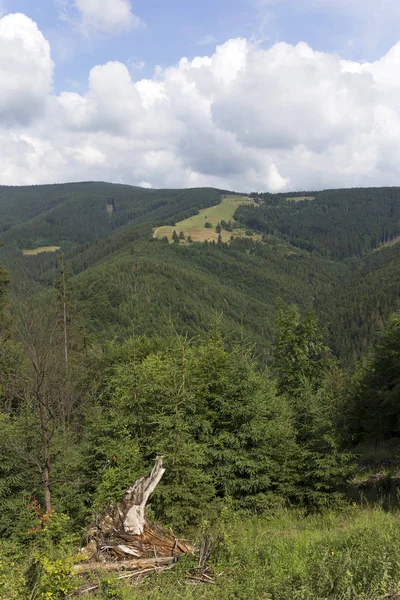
(317, 253)
(341, 223)
(69, 214)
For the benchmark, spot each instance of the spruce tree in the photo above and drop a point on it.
(245, 427)
(375, 413)
(304, 376)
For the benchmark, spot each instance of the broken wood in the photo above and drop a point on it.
(123, 532)
(126, 565)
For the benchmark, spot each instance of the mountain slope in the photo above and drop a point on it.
(124, 280)
(69, 214)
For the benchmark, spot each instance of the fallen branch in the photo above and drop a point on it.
(125, 565)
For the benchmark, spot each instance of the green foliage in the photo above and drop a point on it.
(246, 429)
(51, 571)
(299, 354)
(351, 297)
(72, 214)
(19, 475)
(375, 414)
(218, 422)
(4, 281)
(301, 362)
(342, 223)
(12, 571)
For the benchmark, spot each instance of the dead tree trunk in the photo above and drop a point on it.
(124, 533)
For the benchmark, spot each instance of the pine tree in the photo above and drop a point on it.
(299, 352)
(246, 429)
(375, 414)
(304, 376)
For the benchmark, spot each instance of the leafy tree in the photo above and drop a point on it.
(181, 235)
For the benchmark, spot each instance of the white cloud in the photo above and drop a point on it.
(99, 16)
(26, 70)
(243, 118)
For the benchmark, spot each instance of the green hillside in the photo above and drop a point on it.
(69, 214)
(316, 254)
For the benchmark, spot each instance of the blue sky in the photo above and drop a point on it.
(355, 30)
(240, 94)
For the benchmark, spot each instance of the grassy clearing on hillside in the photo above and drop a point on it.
(350, 555)
(195, 225)
(40, 250)
(300, 198)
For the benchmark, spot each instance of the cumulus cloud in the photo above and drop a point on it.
(26, 70)
(100, 16)
(242, 117)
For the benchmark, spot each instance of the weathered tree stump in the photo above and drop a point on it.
(124, 535)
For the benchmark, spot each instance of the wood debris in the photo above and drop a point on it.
(122, 538)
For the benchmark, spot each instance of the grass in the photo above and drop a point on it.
(348, 555)
(195, 225)
(300, 198)
(40, 250)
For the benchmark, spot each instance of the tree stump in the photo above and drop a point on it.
(123, 533)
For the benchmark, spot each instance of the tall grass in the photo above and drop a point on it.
(352, 555)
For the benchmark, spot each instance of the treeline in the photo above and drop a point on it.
(352, 289)
(74, 214)
(337, 223)
(114, 278)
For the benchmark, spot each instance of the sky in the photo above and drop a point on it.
(247, 95)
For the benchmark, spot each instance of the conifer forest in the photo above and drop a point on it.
(199, 393)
